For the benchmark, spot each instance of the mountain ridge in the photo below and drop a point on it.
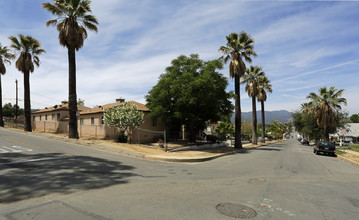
(279, 115)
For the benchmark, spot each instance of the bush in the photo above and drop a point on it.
(122, 138)
(212, 138)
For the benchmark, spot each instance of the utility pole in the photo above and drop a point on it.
(16, 102)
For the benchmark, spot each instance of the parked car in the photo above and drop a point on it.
(325, 147)
(304, 142)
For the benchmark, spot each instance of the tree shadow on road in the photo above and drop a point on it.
(38, 175)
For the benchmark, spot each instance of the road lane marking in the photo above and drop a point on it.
(35, 160)
(13, 149)
(42, 148)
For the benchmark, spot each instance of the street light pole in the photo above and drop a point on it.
(16, 106)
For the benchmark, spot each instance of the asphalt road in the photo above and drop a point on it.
(42, 178)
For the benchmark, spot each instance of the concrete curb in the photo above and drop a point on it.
(187, 160)
(348, 160)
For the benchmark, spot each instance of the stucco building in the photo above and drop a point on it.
(91, 124)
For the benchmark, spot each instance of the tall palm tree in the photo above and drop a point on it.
(73, 18)
(5, 57)
(28, 50)
(264, 86)
(239, 47)
(306, 107)
(325, 106)
(250, 79)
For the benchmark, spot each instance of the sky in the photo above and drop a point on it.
(301, 46)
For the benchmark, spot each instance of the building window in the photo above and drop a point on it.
(92, 120)
(45, 117)
(154, 121)
(81, 121)
(33, 118)
(58, 116)
(102, 121)
(40, 117)
(53, 117)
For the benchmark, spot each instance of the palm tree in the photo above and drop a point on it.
(325, 107)
(264, 86)
(306, 107)
(239, 47)
(253, 73)
(73, 17)
(28, 49)
(5, 57)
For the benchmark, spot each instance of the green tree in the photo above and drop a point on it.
(250, 79)
(28, 50)
(5, 57)
(264, 86)
(224, 129)
(126, 117)
(325, 107)
(354, 118)
(278, 129)
(9, 110)
(81, 101)
(239, 47)
(191, 92)
(73, 18)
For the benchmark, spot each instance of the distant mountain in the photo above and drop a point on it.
(281, 116)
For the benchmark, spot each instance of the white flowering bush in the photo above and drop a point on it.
(126, 117)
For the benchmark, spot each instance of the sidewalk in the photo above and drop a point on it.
(175, 153)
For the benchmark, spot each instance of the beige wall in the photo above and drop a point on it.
(97, 129)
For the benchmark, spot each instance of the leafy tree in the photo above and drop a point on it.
(278, 129)
(5, 57)
(9, 110)
(81, 101)
(325, 106)
(264, 86)
(191, 92)
(28, 50)
(253, 74)
(239, 47)
(354, 118)
(126, 117)
(73, 17)
(224, 129)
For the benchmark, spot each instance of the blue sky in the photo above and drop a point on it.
(301, 45)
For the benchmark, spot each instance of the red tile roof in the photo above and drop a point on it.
(103, 108)
(60, 107)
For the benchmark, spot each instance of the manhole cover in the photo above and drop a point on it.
(236, 210)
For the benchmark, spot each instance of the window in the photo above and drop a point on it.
(92, 120)
(45, 117)
(40, 117)
(33, 118)
(154, 121)
(81, 121)
(58, 116)
(53, 117)
(102, 121)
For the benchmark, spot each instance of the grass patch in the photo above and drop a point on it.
(339, 152)
(354, 147)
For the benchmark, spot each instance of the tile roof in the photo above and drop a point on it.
(60, 107)
(103, 108)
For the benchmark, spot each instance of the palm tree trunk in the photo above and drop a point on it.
(263, 122)
(326, 133)
(27, 103)
(237, 123)
(72, 94)
(254, 113)
(1, 116)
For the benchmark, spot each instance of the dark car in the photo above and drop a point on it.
(325, 147)
(304, 142)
